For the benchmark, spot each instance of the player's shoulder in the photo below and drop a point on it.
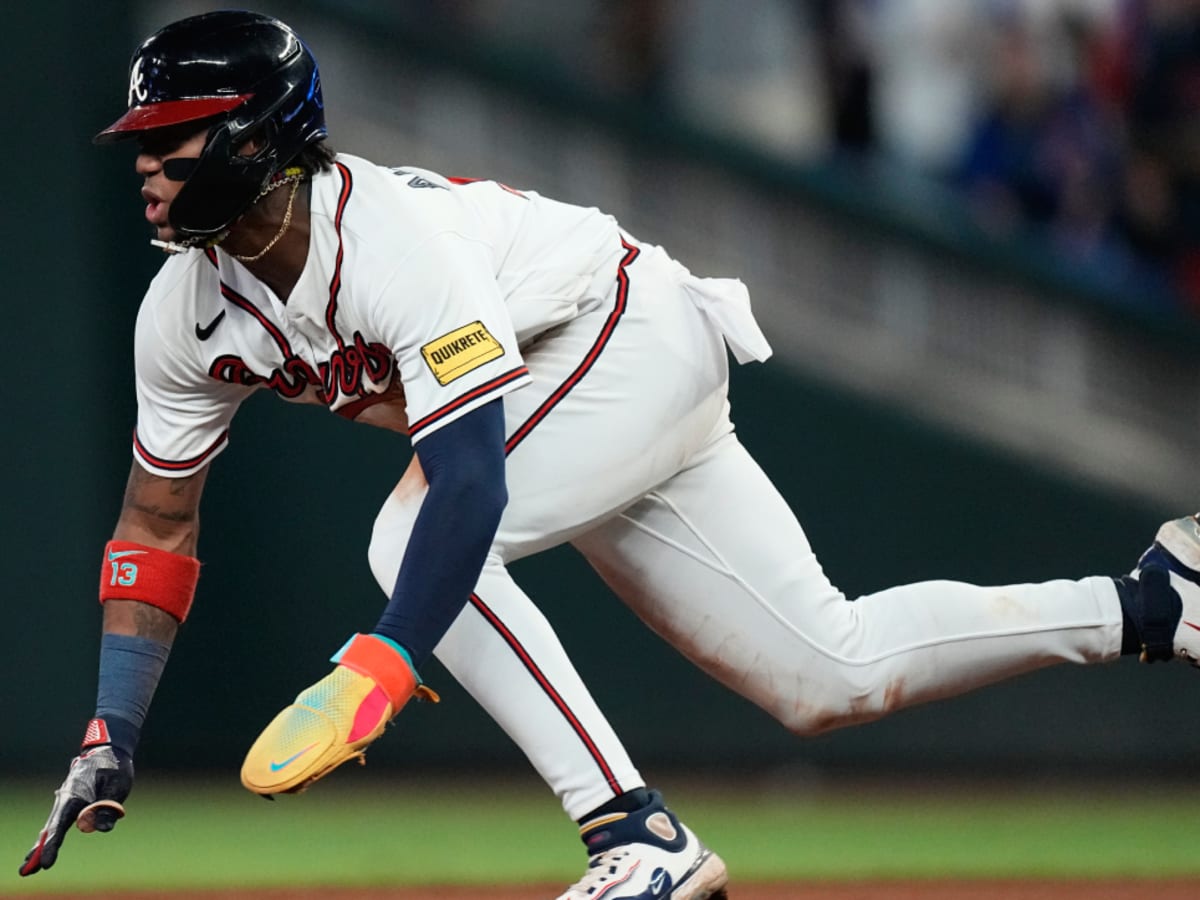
(396, 201)
(174, 295)
(385, 215)
(398, 179)
(180, 274)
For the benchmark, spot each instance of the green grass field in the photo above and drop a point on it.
(358, 830)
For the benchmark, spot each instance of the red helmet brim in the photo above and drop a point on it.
(168, 112)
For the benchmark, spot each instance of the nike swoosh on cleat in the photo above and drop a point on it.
(656, 883)
(276, 766)
(1191, 624)
(117, 554)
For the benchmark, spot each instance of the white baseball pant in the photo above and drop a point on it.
(636, 463)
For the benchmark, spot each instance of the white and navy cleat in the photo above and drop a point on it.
(647, 855)
(1169, 577)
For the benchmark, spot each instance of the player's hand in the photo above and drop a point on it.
(99, 780)
(335, 720)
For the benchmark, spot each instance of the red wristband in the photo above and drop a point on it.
(158, 577)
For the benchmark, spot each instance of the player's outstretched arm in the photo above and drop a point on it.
(147, 579)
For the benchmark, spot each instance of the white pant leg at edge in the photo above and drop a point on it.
(715, 562)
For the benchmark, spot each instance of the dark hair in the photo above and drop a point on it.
(315, 157)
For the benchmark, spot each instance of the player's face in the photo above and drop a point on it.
(156, 148)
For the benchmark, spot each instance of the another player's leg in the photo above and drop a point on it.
(716, 562)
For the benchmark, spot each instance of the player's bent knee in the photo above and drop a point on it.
(837, 703)
(815, 722)
(389, 537)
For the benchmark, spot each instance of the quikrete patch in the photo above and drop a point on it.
(457, 353)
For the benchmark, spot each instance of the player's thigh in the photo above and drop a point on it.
(617, 405)
(716, 563)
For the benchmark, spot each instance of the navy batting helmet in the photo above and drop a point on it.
(250, 71)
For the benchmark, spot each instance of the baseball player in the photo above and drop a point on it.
(559, 380)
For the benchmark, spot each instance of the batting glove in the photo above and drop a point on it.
(335, 720)
(99, 780)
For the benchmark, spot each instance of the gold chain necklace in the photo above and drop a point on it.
(287, 216)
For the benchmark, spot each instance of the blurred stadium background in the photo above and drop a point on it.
(969, 229)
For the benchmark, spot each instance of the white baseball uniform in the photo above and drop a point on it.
(612, 361)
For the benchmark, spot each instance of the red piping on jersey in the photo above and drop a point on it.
(177, 465)
(335, 283)
(555, 697)
(351, 410)
(610, 324)
(242, 303)
(486, 388)
(499, 184)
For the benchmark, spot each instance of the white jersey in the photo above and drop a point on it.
(413, 283)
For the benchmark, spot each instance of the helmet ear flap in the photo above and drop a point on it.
(264, 136)
(223, 181)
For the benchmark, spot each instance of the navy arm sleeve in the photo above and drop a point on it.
(464, 465)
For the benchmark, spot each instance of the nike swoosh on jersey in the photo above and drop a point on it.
(117, 554)
(205, 332)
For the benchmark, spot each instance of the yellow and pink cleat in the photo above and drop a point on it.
(336, 719)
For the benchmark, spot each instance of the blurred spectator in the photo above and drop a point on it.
(1042, 152)
(1085, 135)
(750, 69)
(927, 57)
(1077, 121)
(633, 50)
(847, 54)
(1162, 197)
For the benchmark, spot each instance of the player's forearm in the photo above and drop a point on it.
(147, 581)
(137, 637)
(161, 512)
(139, 619)
(149, 573)
(464, 466)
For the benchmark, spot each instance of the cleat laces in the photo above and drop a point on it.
(602, 871)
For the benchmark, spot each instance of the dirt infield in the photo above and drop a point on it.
(871, 890)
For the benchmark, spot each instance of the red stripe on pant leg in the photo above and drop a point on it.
(589, 360)
(546, 686)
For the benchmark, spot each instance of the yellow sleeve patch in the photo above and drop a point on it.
(459, 352)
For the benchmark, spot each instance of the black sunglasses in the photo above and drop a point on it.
(180, 168)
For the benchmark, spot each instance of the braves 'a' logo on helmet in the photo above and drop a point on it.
(137, 83)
